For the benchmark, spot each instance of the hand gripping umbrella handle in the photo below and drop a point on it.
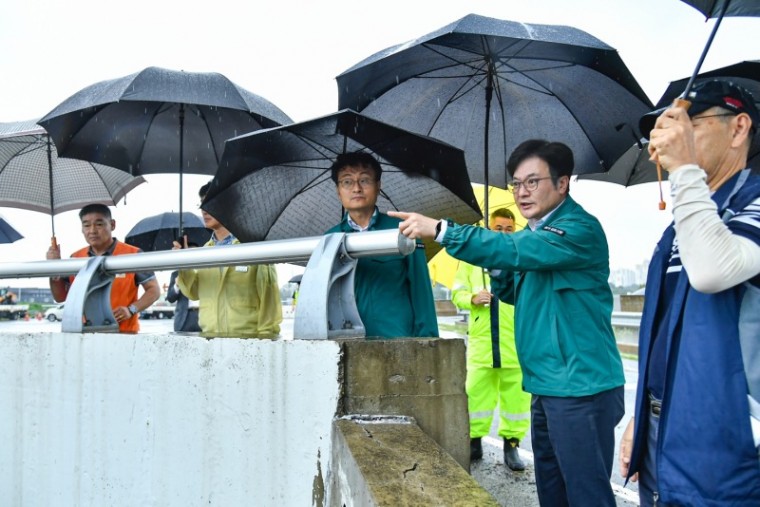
(53, 242)
(683, 104)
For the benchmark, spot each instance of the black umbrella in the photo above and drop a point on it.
(158, 121)
(717, 9)
(486, 85)
(275, 183)
(158, 232)
(634, 166)
(7, 233)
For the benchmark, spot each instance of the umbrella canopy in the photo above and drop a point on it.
(275, 184)
(717, 9)
(296, 278)
(485, 85)
(158, 232)
(158, 121)
(634, 166)
(442, 266)
(33, 177)
(714, 8)
(7, 233)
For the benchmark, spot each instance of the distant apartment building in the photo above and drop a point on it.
(623, 277)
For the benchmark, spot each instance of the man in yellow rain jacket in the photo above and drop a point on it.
(493, 372)
(235, 301)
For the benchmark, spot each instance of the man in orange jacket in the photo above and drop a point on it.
(97, 226)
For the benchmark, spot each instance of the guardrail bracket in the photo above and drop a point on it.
(326, 303)
(88, 303)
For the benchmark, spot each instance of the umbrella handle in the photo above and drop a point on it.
(53, 242)
(683, 104)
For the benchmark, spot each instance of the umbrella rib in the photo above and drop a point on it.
(475, 79)
(317, 180)
(479, 65)
(382, 192)
(205, 124)
(316, 146)
(26, 147)
(158, 110)
(457, 94)
(539, 88)
(99, 175)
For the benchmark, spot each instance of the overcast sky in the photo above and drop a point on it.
(289, 52)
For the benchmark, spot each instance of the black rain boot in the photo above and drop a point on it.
(476, 449)
(511, 456)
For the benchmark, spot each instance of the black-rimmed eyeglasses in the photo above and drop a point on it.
(530, 184)
(348, 183)
(694, 118)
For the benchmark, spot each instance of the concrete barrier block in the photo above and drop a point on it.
(393, 463)
(421, 378)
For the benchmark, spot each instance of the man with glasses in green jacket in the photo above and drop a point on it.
(394, 295)
(555, 271)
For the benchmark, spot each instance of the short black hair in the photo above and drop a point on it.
(101, 209)
(558, 156)
(204, 190)
(355, 159)
(502, 213)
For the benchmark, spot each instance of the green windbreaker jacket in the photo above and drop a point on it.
(557, 277)
(394, 295)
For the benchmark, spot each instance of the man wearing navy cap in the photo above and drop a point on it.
(697, 420)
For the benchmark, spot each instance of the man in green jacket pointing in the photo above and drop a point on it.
(555, 271)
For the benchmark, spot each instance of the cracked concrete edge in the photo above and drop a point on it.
(397, 464)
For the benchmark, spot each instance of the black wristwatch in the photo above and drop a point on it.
(438, 226)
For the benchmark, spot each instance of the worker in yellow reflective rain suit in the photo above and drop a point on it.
(493, 372)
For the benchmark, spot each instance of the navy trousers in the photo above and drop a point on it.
(573, 447)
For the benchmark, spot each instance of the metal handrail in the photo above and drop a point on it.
(372, 243)
(626, 319)
(327, 309)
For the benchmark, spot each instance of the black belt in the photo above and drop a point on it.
(655, 405)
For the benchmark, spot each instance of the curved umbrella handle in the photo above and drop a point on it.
(683, 104)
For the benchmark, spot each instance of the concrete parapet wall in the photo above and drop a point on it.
(153, 420)
(393, 463)
(175, 420)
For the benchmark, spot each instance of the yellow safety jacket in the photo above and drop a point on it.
(235, 301)
(484, 348)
